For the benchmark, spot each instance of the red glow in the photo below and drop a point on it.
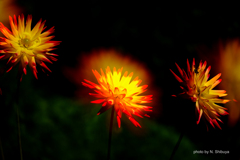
(101, 59)
(8, 7)
(230, 66)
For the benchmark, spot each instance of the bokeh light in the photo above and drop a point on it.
(109, 57)
(8, 8)
(101, 59)
(228, 57)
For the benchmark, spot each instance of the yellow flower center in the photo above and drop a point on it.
(26, 42)
(194, 93)
(117, 96)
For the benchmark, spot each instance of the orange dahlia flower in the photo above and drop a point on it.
(116, 91)
(29, 46)
(198, 88)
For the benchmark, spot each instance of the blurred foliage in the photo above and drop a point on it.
(55, 127)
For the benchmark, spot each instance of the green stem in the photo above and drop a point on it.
(177, 145)
(2, 71)
(1, 149)
(110, 134)
(19, 131)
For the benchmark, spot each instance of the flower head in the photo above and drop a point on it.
(116, 91)
(29, 46)
(198, 88)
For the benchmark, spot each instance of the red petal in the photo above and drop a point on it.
(98, 101)
(15, 20)
(193, 64)
(179, 79)
(44, 65)
(91, 83)
(119, 122)
(179, 69)
(216, 123)
(210, 121)
(55, 43)
(144, 86)
(118, 114)
(200, 115)
(25, 71)
(134, 122)
(188, 68)
(126, 112)
(53, 58)
(137, 114)
(146, 115)
(9, 69)
(47, 60)
(104, 104)
(2, 56)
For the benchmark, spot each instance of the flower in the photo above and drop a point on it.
(197, 87)
(116, 91)
(26, 45)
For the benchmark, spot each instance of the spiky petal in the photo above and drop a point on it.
(115, 90)
(27, 46)
(198, 88)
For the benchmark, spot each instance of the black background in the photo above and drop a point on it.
(56, 126)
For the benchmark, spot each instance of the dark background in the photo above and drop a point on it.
(57, 125)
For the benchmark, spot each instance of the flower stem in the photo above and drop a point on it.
(2, 71)
(110, 134)
(1, 149)
(177, 145)
(19, 132)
